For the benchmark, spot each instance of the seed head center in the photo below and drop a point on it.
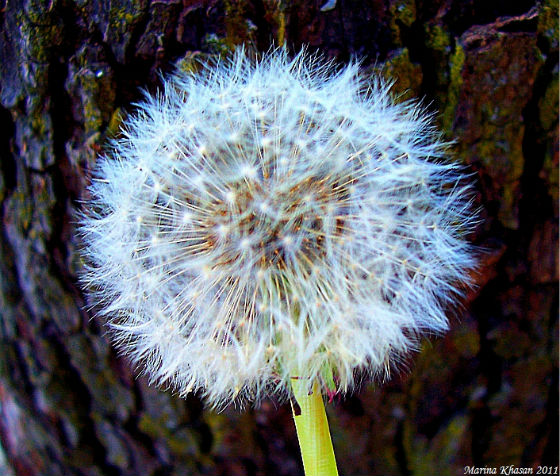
(270, 224)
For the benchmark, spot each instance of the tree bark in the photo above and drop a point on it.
(485, 395)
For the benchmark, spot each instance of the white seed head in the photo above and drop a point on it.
(265, 220)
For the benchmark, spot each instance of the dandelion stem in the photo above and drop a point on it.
(313, 430)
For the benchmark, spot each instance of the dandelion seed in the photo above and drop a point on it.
(230, 196)
(186, 219)
(306, 227)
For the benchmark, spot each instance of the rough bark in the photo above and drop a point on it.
(485, 395)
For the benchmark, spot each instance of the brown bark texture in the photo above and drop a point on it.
(485, 395)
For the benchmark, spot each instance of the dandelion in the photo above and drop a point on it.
(274, 227)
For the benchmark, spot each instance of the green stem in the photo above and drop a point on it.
(313, 430)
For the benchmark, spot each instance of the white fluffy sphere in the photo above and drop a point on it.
(270, 219)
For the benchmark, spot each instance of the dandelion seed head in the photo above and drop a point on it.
(265, 220)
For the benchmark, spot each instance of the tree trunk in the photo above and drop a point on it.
(485, 395)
